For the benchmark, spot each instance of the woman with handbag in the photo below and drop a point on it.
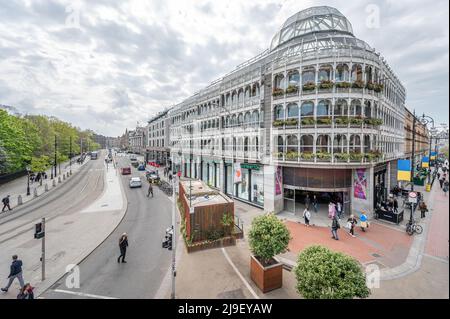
(351, 223)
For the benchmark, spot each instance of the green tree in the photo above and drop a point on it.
(13, 140)
(324, 274)
(268, 237)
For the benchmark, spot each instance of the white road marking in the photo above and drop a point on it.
(81, 294)
(84, 187)
(239, 274)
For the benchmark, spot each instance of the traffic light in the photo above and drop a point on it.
(38, 231)
(167, 243)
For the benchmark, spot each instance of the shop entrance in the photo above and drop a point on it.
(295, 200)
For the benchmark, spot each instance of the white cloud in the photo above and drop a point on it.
(126, 61)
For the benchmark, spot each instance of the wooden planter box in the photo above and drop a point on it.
(223, 242)
(266, 278)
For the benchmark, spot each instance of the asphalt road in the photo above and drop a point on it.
(147, 262)
(73, 195)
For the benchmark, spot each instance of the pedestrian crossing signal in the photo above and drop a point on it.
(38, 231)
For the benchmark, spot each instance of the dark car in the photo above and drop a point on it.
(152, 176)
(141, 167)
(126, 170)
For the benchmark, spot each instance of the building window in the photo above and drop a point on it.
(307, 109)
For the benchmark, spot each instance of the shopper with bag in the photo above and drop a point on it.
(351, 223)
(334, 228)
(307, 216)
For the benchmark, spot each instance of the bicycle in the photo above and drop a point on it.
(413, 227)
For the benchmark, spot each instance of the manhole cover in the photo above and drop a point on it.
(68, 223)
(376, 255)
(104, 205)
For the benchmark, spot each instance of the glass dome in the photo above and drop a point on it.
(312, 20)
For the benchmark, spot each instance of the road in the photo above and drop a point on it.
(147, 263)
(72, 196)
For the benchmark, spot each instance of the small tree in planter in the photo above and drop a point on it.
(268, 237)
(324, 274)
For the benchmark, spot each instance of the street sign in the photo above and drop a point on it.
(191, 210)
(412, 197)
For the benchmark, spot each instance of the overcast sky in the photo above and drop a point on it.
(106, 66)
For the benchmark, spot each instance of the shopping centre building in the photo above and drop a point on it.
(319, 112)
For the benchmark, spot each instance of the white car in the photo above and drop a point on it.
(135, 182)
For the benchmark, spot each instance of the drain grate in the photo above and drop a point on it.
(376, 255)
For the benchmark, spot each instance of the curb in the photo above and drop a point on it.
(50, 282)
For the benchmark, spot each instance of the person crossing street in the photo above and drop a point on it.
(123, 244)
(150, 190)
(15, 272)
(5, 202)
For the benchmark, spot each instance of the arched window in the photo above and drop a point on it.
(340, 144)
(323, 108)
(293, 78)
(341, 108)
(355, 108)
(241, 97)
(257, 144)
(247, 118)
(308, 75)
(280, 144)
(342, 73)
(323, 143)
(234, 98)
(255, 90)
(247, 94)
(306, 144)
(357, 74)
(307, 109)
(325, 73)
(368, 74)
(255, 117)
(228, 99)
(366, 143)
(355, 143)
(368, 109)
(278, 113)
(233, 120)
(292, 111)
(292, 143)
(279, 82)
(240, 119)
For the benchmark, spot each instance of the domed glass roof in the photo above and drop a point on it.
(312, 20)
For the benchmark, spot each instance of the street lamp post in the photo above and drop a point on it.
(70, 154)
(28, 181)
(427, 120)
(55, 156)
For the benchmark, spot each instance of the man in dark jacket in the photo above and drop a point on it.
(334, 227)
(5, 202)
(15, 272)
(123, 244)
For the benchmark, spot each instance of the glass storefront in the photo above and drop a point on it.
(244, 184)
(229, 179)
(257, 188)
(211, 174)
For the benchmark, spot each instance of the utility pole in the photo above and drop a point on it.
(174, 237)
(43, 250)
(70, 154)
(413, 151)
(55, 156)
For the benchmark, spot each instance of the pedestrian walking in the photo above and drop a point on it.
(307, 201)
(5, 202)
(351, 223)
(441, 181)
(331, 210)
(150, 190)
(339, 209)
(123, 244)
(334, 228)
(307, 216)
(445, 188)
(14, 272)
(364, 221)
(315, 203)
(423, 209)
(26, 292)
(395, 205)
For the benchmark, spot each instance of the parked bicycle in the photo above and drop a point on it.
(412, 227)
(166, 188)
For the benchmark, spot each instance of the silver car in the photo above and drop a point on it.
(135, 182)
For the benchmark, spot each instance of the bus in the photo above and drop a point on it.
(94, 155)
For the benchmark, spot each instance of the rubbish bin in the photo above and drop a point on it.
(428, 188)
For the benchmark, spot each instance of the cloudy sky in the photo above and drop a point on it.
(107, 64)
